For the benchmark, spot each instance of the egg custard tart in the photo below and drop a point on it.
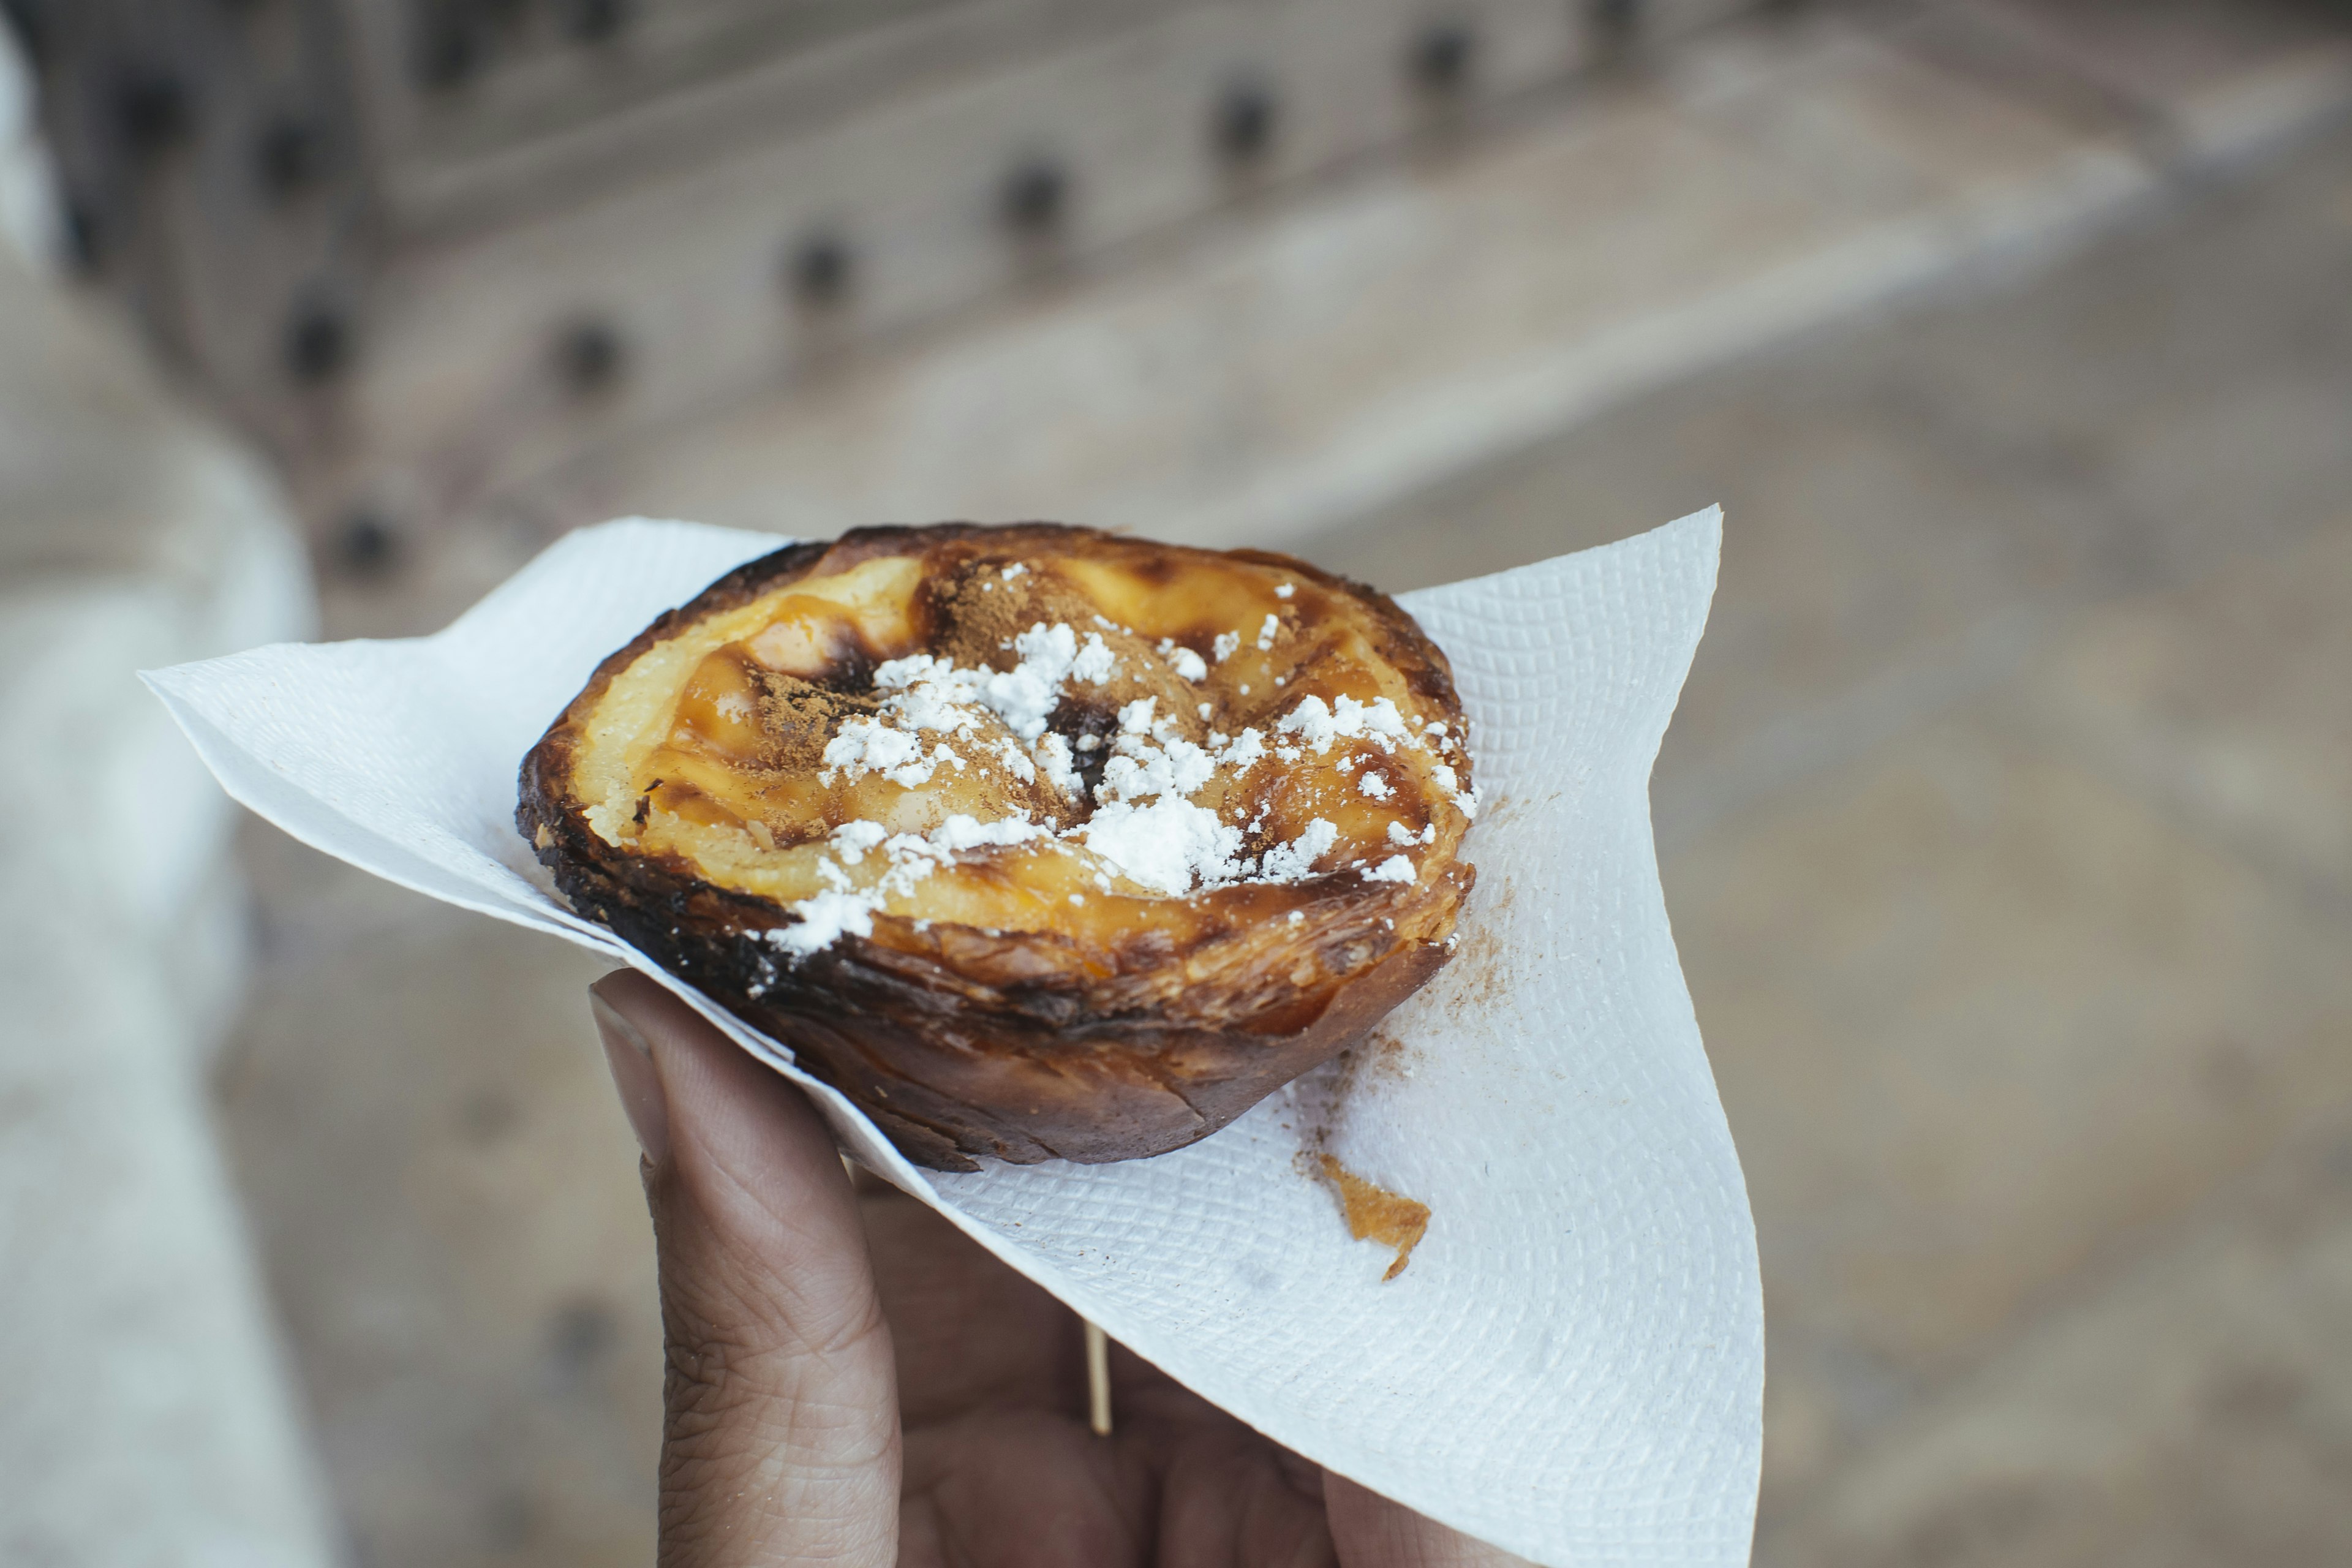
(1037, 842)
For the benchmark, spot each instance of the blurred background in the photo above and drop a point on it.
(2006, 824)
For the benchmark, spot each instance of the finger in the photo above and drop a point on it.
(1370, 1532)
(780, 1442)
(969, 1332)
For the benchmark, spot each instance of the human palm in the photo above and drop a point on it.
(851, 1381)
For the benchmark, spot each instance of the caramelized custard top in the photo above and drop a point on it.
(1100, 740)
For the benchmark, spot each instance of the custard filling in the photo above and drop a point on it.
(1024, 742)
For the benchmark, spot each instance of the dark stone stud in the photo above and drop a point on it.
(1441, 57)
(588, 355)
(579, 1334)
(365, 544)
(447, 51)
(154, 110)
(594, 21)
(318, 343)
(1035, 196)
(1616, 21)
(290, 154)
(821, 269)
(1244, 123)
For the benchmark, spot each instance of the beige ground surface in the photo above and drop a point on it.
(2005, 833)
(2004, 830)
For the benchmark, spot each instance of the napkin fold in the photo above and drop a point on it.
(1571, 1364)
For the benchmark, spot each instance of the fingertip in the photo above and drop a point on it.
(646, 1004)
(734, 1126)
(629, 1056)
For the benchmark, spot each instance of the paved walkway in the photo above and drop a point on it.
(2005, 837)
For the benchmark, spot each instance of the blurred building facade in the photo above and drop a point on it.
(419, 247)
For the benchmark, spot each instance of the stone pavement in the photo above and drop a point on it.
(2004, 833)
(448, 1195)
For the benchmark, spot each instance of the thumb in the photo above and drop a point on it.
(780, 1441)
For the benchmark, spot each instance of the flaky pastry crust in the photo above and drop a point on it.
(747, 793)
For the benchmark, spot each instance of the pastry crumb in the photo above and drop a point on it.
(1376, 1213)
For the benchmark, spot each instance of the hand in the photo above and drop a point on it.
(853, 1381)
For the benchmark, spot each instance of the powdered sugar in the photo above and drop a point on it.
(1139, 769)
(1145, 827)
(1317, 724)
(1143, 822)
(926, 694)
(823, 921)
(1017, 763)
(1245, 752)
(1026, 694)
(1053, 754)
(1295, 861)
(1167, 845)
(846, 908)
(870, 745)
(1187, 664)
(1466, 799)
(852, 839)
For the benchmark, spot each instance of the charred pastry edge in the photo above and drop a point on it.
(856, 1011)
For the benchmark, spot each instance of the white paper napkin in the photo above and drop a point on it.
(1571, 1367)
